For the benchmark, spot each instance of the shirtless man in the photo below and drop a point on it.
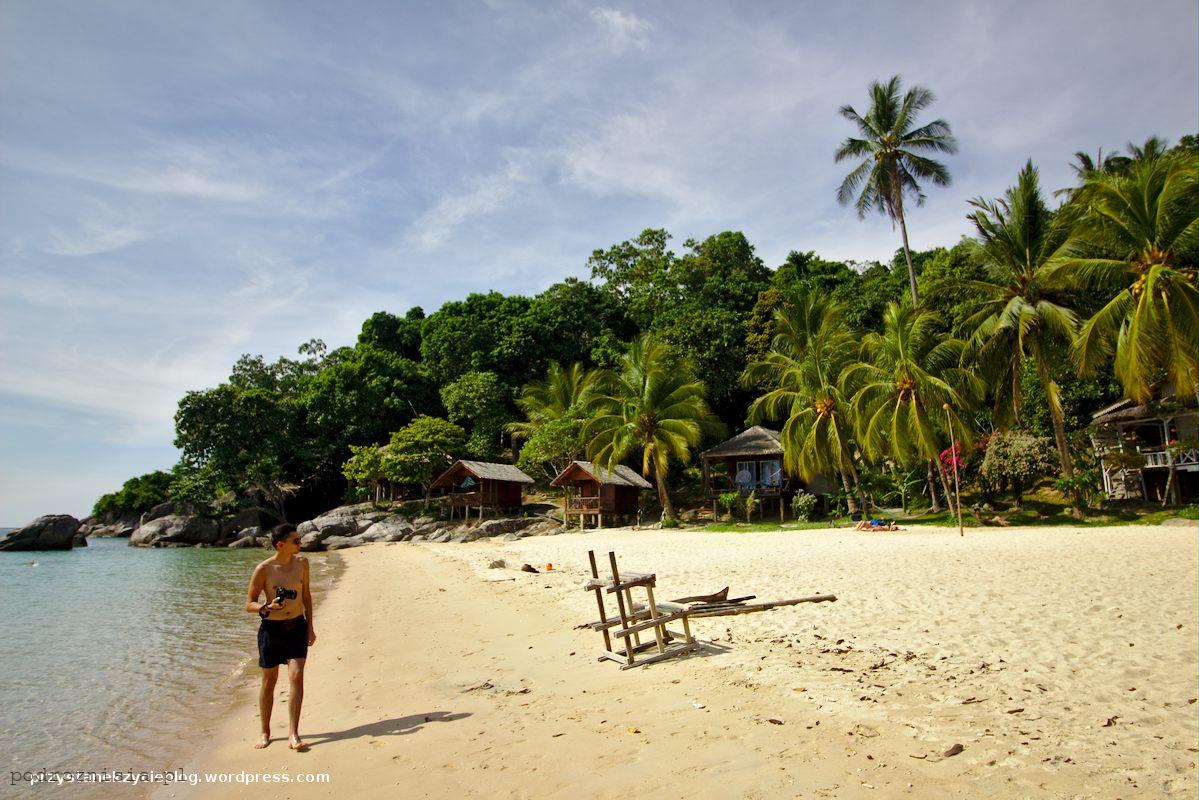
(286, 632)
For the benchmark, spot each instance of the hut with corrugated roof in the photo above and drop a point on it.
(593, 492)
(481, 485)
(752, 461)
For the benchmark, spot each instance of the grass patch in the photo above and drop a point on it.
(754, 527)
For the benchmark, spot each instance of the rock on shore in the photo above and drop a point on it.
(51, 532)
(175, 531)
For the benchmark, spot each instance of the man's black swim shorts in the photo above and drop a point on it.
(282, 639)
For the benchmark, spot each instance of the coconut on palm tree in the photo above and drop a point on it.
(894, 155)
(1138, 242)
(1020, 313)
(904, 377)
(801, 371)
(652, 404)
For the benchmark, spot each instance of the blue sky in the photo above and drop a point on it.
(184, 183)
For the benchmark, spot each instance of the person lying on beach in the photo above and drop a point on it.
(286, 631)
(876, 525)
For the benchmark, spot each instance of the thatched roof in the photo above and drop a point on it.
(621, 476)
(482, 470)
(1163, 406)
(755, 441)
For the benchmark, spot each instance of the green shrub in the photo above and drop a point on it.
(728, 502)
(802, 505)
(670, 522)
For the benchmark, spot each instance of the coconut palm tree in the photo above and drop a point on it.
(802, 369)
(563, 390)
(1138, 242)
(904, 377)
(1020, 313)
(894, 154)
(654, 404)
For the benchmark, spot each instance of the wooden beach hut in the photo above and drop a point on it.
(480, 485)
(752, 461)
(593, 492)
(1148, 451)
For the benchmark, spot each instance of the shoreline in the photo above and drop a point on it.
(231, 688)
(435, 671)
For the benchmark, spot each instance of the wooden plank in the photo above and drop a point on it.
(623, 586)
(674, 650)
(642, 626)
(752, 607)
(604, 583)
(599, 600)
(624, 620)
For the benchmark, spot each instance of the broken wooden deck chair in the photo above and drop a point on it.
(633, 619)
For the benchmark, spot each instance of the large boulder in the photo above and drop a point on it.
(167, 509)
(314, 532)
(497, 527)
(244, 542)
(51, 532)
(342, 542)
(106, 528)
(441, 535)
(394, 529)
(543, 527)
(235, 526)
(175, 531)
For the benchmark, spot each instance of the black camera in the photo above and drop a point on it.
(282, 594)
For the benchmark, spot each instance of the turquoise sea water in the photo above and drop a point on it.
(115, 657)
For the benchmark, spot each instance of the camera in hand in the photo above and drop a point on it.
(281, 594)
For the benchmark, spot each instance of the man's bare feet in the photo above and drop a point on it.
(263, 741)
(297, 744)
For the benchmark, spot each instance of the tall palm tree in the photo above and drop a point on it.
(563, 390)
(653, 404)
(1138, 241)
(813, 344)
(894, 156)
(904, 377)
(1019, 315)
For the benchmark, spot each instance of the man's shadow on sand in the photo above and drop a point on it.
(399, 726)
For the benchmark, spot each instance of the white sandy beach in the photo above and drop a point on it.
(435, 676)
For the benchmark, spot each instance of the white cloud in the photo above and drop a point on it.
(621, 29)
(99, 229)
(482, 195)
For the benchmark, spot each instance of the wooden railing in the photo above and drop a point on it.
(717, 485)
(589, 504)
(1163, 457)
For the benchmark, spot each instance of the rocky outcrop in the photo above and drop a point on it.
(237, 525)
(106, 528)
(244, 542)
(167, 509)
(176, 531)
(51, 532)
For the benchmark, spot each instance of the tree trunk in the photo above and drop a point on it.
(950, 500)
(932, 488)
(907, 252)
(1055, 413)
(1166, 495)
(663, 495)
(849, 495)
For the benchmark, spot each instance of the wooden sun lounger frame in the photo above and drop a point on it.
(633, 619)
